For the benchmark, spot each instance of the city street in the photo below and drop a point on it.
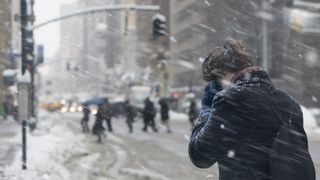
(8, 129)
(140, 155)
(251, 66)
(121, 156)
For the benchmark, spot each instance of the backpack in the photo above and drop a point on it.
(289, 158)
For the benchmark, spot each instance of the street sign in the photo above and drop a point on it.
(40, 54)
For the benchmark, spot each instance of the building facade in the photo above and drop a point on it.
(10, 41)
(285, 53)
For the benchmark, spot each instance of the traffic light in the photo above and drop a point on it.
(29, 45)
(159, 27)
(27, 49)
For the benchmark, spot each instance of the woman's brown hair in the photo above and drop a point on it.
(233, 56)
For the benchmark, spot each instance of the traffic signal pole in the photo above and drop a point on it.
(24, 23)
(100, 9)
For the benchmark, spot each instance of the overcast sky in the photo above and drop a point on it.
(48, 35)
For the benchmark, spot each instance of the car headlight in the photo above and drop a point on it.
(80, 109)
(72, 109)
(64, 109)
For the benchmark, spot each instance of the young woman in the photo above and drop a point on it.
(244, 121)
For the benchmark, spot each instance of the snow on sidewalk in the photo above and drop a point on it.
(310, 124)
(48, 148)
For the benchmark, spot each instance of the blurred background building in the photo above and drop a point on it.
(9, 40)
(118, 49)
(284, 37)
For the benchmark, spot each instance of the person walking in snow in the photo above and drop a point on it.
(85, 119)
(98, 128)
(246, 119)
(149, 113)
(193, 112)
(107, 114)
(164, 113)
(130, 115)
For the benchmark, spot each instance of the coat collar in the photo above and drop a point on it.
(252, 74)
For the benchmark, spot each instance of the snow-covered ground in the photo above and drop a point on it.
(310, 123)
(48, 148)
(58, 150)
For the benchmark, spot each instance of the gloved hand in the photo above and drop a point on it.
(207, 97)
(209, 92)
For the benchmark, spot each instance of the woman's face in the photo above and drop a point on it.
(225, 78)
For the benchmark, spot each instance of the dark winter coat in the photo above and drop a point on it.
(164, 110)
(242, 126)
(149, 111)
(130, 112)
(108, 111)
(86, 114)
(98, 127)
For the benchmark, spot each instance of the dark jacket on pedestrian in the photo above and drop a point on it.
(149, 111)
(108, 111)
(242, 126)
(164, 110)
(86, 113)
(130, 112)
(98, 127)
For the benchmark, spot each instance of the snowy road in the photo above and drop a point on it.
(139, 155)
(148, 155)
(59, 150)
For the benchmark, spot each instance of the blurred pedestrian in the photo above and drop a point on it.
(149, 113)
(164, 112)
(85, 118)
(193, 112)
(254, 131)
(130, 115)
(98, 128)
(108, 113)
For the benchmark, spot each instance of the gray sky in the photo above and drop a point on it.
(49, 35)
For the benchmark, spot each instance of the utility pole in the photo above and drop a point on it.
(23, 107)
(24, 23)
(26, 87)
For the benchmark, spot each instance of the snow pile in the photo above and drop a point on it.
(310, 124)
(48, 148)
